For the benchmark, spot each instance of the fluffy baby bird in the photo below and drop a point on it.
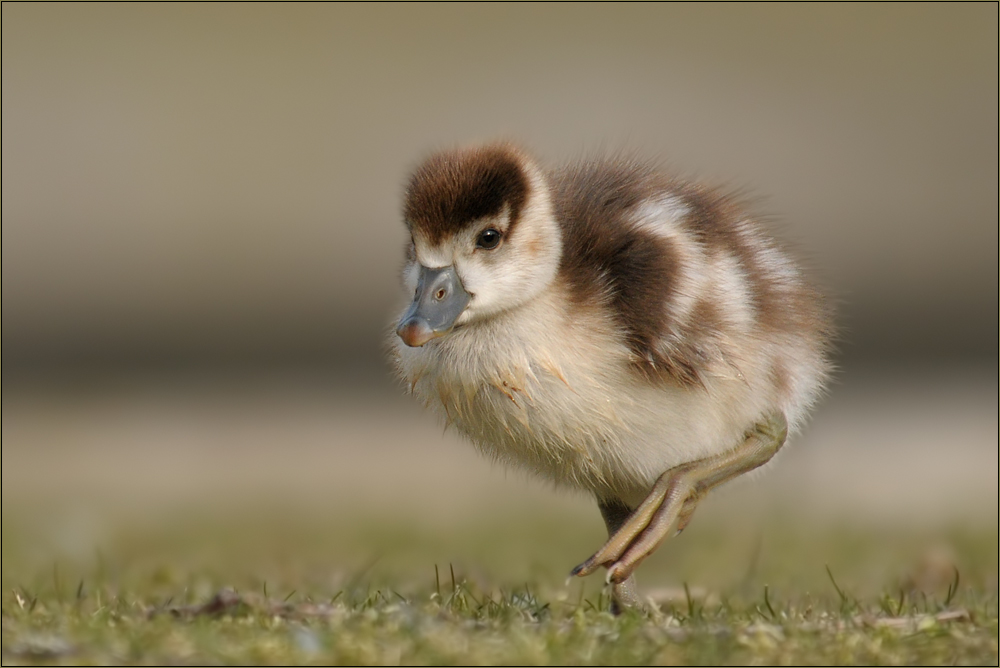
(608, 327)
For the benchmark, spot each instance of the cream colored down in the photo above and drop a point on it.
(539, 382)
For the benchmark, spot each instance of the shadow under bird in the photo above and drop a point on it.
(608, 327)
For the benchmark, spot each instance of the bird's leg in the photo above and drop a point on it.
(623, 594)
(674, 497)
(687, 511)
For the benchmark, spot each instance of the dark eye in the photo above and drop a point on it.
(488, 239)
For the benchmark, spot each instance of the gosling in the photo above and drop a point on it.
(608, 327)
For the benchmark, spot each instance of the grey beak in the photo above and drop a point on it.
(440, 299)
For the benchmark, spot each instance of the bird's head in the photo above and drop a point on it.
(483, 239)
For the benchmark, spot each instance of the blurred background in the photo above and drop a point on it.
(201, 244)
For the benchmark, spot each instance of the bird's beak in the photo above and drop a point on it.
(440, 299)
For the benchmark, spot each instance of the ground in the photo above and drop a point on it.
(192, 527)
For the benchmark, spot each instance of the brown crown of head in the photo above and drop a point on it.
(453, 188)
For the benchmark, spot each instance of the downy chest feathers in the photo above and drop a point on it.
(550, 389)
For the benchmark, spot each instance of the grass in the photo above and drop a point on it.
(276, 588)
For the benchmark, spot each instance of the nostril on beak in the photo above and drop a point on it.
(440, 294)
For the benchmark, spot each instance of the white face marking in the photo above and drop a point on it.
(435, 257)
(445, 253)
